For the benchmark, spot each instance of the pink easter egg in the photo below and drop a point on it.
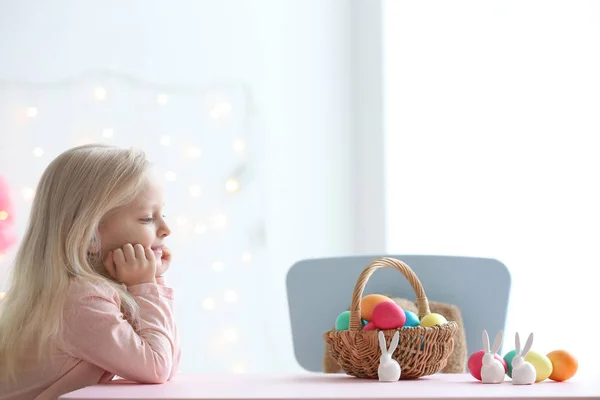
(476, 361)
(369, 327)
(388, 315)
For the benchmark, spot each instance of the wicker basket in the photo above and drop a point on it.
(422, 351)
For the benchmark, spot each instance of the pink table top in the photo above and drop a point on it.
(311, 386)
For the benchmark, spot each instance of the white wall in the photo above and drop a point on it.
(492, 150)
(293, 57)
(367, 167)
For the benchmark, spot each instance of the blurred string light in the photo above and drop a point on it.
(195, 190)
(232, 185)
(230, 335)
(218, 105)
(38, 152)
(224, 341)
(238, 367)
(200, 228)
(108, 133)
(165, 140)
(31, 112)
(28, 193)
(246, 257)
(171, 176)
(162, 99)
(218, 108)
(100, 93)
(218, 221)
(239, 146)
(218, 266)
(208, 303)
(182, 220)
(231, 296)
(191, 152)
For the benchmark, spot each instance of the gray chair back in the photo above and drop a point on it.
(319, 289)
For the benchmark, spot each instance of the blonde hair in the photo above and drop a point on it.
(74, 193)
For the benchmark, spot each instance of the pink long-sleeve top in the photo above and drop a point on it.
(98, 343)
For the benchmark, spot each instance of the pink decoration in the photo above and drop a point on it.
(369, 327)
(7, 217)
(388, 315)
(476, 361)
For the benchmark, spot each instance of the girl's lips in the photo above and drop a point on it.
(157, 251)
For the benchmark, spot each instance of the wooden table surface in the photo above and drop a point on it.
(315, 386)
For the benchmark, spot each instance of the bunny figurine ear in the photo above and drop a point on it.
(486, 341)
(517, 344)
(528, 345)
(382, 343)
(394, 343)
(497, 342)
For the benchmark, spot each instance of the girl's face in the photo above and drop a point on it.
(140, 222)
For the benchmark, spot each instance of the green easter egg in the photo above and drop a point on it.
(508, 357)
(364, 322)
(342, 322)
(541, 363)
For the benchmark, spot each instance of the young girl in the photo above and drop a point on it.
(87, 301)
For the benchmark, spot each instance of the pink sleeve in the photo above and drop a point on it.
(177, 355)
(96, 331)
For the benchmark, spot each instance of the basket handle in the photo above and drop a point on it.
(422, 302)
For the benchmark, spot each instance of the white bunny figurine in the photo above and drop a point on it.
(389, 369)
(492, 370)
(523, 372)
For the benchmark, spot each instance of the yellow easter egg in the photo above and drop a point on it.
(433, 319)
(541, 363)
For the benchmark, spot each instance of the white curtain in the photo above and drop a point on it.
(492, 150)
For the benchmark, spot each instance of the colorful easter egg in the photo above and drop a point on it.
(411, 319)
(369, 327)
(433, 319)
(564, 365)
(342, 322)
(368, 303)
(388, 315)
(476, 361)
(508, 357)
(541, 363)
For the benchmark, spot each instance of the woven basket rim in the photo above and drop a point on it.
(446, 324)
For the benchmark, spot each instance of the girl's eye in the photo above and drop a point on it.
(148, 219)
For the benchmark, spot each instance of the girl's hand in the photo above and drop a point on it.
(166, 262)
(131, 265)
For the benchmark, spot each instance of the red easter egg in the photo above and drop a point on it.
(369, 327)
(476, 361)
(388, 315)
